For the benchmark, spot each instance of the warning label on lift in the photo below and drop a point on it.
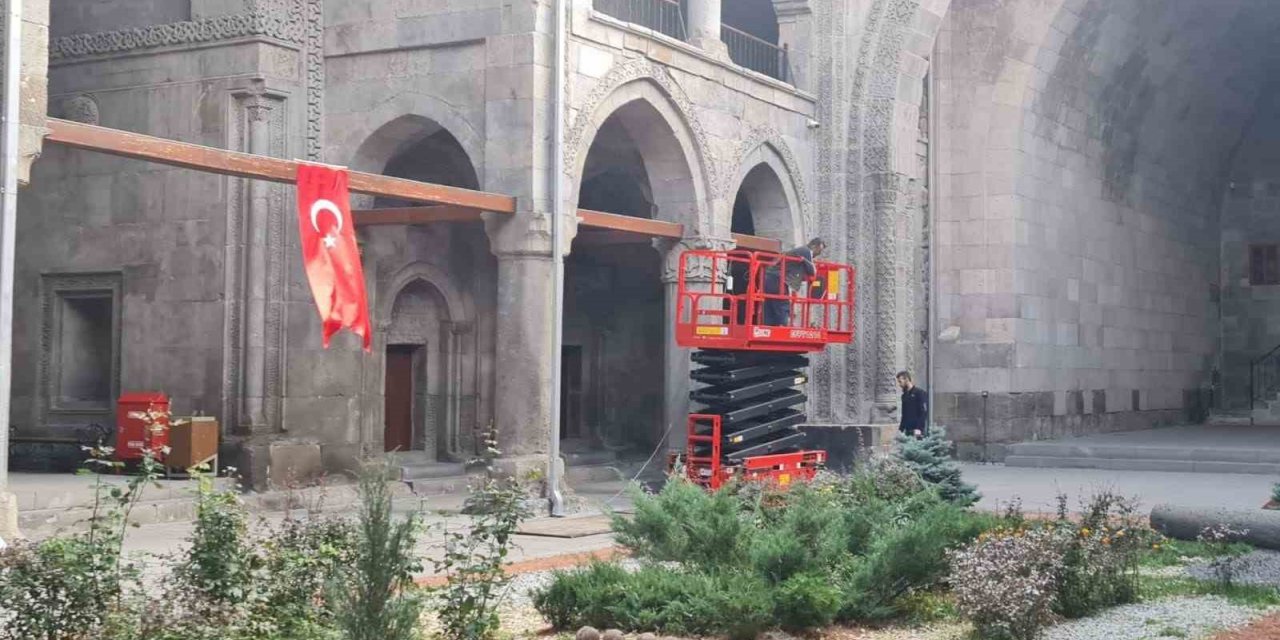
(805, 334)
(712, 331)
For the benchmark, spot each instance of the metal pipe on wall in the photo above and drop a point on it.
(557, 262)
(8, 216)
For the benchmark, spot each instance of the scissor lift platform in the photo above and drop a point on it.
(751, 407)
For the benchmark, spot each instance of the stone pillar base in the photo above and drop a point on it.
(885, 413)
(9, 517)
(715, 47)
(531, 473)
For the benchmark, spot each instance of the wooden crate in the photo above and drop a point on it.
(192, 441)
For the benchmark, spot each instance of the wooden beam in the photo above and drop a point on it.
(245, 165)
(757, 243)
(590, 219)
(629, 224)
(415, 215)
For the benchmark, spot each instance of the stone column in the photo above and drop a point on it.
(890, 301)
(253, 413)
(676, 359)
(522, 399)
(795, 33)
(704, 27)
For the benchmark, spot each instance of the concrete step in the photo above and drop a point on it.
(1066, 449)
(588, 458)
(429, 470)
(1144, 464)
(1230, 418)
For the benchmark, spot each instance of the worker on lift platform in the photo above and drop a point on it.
(777, 311)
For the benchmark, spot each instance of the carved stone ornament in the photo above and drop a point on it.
(81, 108)
(296, 22)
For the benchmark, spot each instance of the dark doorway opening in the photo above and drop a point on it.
(398, 410)
(572, 397)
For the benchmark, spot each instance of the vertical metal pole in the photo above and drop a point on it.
(8, 217)
(557, 264)
(934, 250)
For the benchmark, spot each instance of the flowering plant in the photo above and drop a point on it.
(1007, 581)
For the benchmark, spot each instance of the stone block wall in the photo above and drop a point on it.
(161, 233)
(1250, 216)
(1079, 234)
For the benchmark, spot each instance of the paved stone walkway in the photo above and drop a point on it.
(1039, 488)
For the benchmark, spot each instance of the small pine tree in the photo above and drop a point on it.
(930, 457)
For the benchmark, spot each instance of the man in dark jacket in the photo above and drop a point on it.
(789, 280)
(915, 407)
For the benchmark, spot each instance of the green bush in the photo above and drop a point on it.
(1101, 554)
(806, 600)
(843, 548)
(375, 597)
(905, 559)
(658, 599)
(474, 560)
(220, 562)
(684, 523)
(930, 457)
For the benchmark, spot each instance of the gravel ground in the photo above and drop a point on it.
(1261, 567)
(1175, 617)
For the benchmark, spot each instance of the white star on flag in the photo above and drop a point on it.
(330, 241)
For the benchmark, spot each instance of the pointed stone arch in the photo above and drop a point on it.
(649, 92)
(766, 147)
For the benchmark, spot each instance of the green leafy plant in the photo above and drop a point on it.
(930, 457)
(474, 559)
(1102, 553)
(66, 588)
(376, 599)
(220, 563)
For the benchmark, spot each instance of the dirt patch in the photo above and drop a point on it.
(1264, 628)
(543, 564)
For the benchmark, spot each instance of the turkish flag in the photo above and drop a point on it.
(330, 253)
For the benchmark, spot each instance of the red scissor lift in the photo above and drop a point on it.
(747, 426)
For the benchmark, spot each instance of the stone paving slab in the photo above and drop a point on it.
(1187, 448)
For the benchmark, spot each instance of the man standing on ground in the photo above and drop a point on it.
(777, 311)
(915, 407)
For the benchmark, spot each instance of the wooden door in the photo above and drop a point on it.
(398, 412)
(571, 395)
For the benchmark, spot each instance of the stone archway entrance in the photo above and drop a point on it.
(417, 370)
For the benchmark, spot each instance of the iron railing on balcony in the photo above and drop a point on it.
(663, 16)
(757, 54)
(1264, 378)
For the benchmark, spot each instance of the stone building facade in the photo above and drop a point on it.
(1034, 193)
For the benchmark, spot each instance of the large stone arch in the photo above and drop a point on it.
(393, 126)
(766, 148)
(399, 131)
(647, 91)
(887, 89)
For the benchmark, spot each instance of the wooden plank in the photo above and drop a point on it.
(629, 224)
(589, 219)
(245, 165)
(757, 243)
(415, 215)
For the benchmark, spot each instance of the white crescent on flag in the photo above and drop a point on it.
(331, 239)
